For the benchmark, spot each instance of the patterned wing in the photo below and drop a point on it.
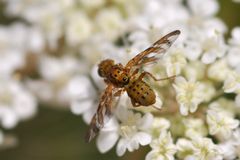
(103, 113)
(150, 55)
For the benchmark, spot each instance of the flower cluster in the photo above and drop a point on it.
(57, 45)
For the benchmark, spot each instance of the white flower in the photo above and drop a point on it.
(232, 83)
(79, 28)
(159, 125)
(131, 130)
(209, 91)
(83, 97)
(12, 50)
(185, 149)
(162, 148)
(189, 95)
(47, 16)
(194, 127)
(220, 65)
(228, 149)
(193, 49)
(233, 57)
(203, 8)
(108, 135)
(34, 40)
(16, 103)
(194, 70)
(235, 138)
(213, 47)
(93, 4)
(110, 23)
(205, 149)
(235, 39)
(83, 91)
(10, 60)
(175, 62)
(56, 74)
(220, 122)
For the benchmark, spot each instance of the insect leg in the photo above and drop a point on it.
(149, 74)
(119, 92)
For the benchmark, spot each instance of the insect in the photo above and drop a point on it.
(128, 78)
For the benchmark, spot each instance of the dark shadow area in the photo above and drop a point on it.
(51, 135)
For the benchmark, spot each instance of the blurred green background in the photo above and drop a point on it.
(58, 134)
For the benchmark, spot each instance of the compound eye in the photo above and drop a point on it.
(100, 72)
(125, 79)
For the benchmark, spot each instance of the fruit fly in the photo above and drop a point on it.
(128, 78)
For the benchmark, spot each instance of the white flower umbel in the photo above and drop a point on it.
(205, 149)
(220, 122)
(189, 95)
(131, 131)
(162, 148)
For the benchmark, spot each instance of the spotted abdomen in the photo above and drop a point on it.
(140, 93)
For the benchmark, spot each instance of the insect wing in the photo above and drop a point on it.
(102, 115)
(150, 55)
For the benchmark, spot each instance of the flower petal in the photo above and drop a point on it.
(87, 116)
(208, 58)
(145, 121)
(143, 138)
(106, 140)
(121, 147)
(184, 109)
(79, 107)
(133, 145)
